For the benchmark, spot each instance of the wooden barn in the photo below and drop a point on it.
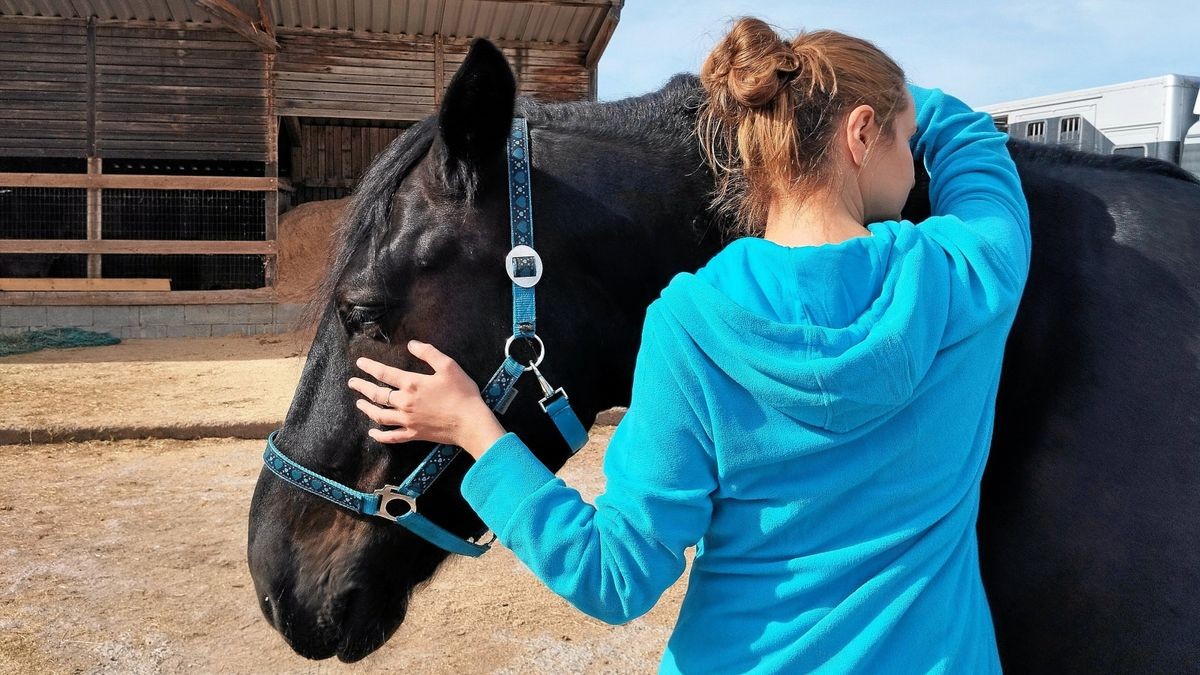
(149, 146)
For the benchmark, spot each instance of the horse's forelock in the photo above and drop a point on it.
(369, 211)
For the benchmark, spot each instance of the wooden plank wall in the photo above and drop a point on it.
(43, 88)
(379, 76)
(354, 75)
(548, 73)
(335, 155)
(180, 93)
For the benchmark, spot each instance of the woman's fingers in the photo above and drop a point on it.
(385, 416)
(431, 355)
(438, 404)
(392, 436)
(397, 378)
(374, 393)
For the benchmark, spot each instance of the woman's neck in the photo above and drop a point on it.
(812, 222)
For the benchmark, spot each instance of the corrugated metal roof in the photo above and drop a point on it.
(574, 22)
(121, 10)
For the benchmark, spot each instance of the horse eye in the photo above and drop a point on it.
(367, 319)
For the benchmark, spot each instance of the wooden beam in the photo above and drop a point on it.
(127, 182)
(59, 298)
(603, 35)
(265, 20)
(123, 285)
(241, 23)
(142, 246)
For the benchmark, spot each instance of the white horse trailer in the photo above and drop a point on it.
(1155, 117)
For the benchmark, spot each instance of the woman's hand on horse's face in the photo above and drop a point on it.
(444, 407)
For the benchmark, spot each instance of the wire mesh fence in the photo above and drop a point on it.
(199, 215)
(189, 272)
(43, 213)
(43, 265)
(139, 214)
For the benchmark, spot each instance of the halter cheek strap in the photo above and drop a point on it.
(398, 503)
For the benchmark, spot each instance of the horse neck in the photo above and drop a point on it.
(629, 212)
(640, 196)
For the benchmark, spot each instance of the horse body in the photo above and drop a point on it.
(1088, 522)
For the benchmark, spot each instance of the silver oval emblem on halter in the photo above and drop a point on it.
(524, 266)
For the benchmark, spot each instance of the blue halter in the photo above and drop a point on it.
(398, 503)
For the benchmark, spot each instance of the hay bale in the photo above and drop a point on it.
(306, 247)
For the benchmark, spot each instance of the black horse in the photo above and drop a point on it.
(1090, 518)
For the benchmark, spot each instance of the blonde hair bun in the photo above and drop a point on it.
(772, 107)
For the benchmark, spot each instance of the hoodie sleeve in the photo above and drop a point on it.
(614, 559)
(980, 215)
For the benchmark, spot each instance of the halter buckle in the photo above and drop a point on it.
(388, 496)
(524, 266)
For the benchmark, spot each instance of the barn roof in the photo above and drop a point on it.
(572, 22)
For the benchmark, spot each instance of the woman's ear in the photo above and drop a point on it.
(860, 131)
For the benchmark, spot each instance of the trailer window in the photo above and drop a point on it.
(1131, 151)
(1068, 129)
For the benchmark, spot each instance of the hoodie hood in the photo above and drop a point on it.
(819, 333)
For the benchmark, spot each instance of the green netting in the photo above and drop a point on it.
(51, 338)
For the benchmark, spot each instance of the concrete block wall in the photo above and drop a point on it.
(155, 321)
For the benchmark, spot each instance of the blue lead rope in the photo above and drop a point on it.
(398, 503)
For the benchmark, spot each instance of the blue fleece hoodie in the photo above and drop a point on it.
(815, 420)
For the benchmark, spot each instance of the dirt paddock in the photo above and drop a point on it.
(129, 556)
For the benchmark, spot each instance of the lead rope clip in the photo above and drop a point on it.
(551, 394)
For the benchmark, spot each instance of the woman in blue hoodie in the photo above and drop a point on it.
(812, 410)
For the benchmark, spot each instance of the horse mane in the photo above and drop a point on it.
(660, 119)
(1059, 155)
(664, 118)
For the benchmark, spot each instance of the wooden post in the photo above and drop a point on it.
(93, 162)
(91, 87)
(93, 218)
(439, 69)
(271, 197)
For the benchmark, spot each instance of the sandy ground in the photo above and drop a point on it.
(129, 557)
(182, 382)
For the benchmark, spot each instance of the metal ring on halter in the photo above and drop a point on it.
(541, 349)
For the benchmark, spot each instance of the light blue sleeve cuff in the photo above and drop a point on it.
(501, 479)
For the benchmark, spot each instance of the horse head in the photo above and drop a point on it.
(421, 256)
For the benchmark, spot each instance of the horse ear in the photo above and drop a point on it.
(476, 113)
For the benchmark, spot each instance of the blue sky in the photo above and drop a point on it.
(981, 52)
